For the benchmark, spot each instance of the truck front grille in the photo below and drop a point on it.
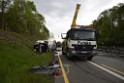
(84, 47)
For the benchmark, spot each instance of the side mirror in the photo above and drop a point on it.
(63, 35)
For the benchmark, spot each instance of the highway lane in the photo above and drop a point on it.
(111, 63)
(82, 71)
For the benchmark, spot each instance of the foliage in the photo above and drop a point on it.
(4, 6)
(110, 26)
(22, 17)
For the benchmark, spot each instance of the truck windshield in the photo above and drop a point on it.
(86, 35)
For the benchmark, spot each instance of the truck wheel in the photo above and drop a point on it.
(89, 58)
(63, 53)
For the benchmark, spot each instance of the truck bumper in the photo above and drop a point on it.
(73, 52)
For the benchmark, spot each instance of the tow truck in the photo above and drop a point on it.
(80, 40)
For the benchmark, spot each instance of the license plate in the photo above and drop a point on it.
(84, 52)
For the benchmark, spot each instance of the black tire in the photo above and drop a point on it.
(89, 58)
(63, 53)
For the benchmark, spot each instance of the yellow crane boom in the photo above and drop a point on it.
(75, 16)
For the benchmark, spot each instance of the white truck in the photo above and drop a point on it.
(80, 42)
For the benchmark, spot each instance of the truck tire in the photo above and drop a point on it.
(63, 51)
(89, 58)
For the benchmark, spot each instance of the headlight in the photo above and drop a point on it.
(95, 47)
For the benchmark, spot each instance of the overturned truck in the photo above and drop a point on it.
(41, 46)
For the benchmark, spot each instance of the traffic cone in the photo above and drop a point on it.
(57, 72)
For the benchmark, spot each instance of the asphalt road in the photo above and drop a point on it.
(102, 69)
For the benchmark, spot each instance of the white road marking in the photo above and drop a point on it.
(112, 69)
(113, 73)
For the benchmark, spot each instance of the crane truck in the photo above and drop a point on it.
(80, 40)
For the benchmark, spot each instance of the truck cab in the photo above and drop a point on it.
(80, 42)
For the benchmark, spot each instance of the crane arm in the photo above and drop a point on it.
(75, 16)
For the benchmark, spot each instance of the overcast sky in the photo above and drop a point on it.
(59, 13)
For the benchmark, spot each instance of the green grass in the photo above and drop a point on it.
(16, 61)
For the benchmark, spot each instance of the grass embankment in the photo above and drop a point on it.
(17, 58)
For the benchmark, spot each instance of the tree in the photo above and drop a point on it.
(4, 5)
(109, 26)
(22, 17)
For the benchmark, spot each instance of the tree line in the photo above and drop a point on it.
(21, 16)
(110, 26)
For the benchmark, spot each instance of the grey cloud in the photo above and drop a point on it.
(59, 13)
(58, 8)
